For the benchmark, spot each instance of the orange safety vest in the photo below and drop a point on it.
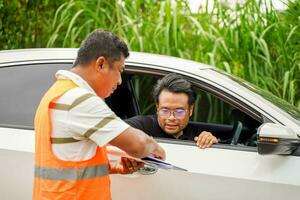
(58, 179)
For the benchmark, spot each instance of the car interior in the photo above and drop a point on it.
(235, 127)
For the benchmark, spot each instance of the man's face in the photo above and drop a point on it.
(111, 73)
(173, 112)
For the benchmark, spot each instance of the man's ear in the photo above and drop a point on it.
(191, 110)
(99, 62)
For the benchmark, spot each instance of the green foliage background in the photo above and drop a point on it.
(261, 47)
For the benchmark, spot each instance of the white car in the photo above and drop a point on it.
(258, 156)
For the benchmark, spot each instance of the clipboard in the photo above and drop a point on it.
(148, 160)
(157, 163)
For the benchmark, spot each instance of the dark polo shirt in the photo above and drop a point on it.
(149, 125)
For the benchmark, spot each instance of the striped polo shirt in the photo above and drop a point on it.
(81, 121)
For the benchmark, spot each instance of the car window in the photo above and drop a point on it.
(208, 108)
(21, 89)
(210, 112)
(143, 85)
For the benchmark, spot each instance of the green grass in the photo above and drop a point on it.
(261, 47)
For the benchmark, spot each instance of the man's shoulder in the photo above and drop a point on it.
(146, 123)
(143, 119)
(79, 100)
(79, 94)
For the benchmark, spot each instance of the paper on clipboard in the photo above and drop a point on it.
(148, 160)
(154, 162)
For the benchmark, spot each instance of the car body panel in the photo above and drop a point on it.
(16, 172)
(194, 186)
(231, 174)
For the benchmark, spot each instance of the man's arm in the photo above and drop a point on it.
(138, 144)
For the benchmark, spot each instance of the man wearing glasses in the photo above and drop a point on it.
(174, 99)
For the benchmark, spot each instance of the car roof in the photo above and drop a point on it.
(69, 54)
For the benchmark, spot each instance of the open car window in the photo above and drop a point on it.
(210, 112)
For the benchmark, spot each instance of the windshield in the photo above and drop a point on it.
(284, 105)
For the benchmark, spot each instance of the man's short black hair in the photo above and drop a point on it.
(174, 83)
(101, 43)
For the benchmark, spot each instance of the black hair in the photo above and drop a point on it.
(174, 83)
(101, 43)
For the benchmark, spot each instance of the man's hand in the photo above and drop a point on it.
(205, 139)
(159, 152)
(126, 166)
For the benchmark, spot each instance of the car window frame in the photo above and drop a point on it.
(135, 69)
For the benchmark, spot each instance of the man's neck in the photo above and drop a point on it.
(86, 74)
(177, 135)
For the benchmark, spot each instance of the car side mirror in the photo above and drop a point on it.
(276, 139)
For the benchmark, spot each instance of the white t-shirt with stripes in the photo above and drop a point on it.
(81, 121)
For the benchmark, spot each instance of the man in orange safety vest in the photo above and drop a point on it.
(74, 125)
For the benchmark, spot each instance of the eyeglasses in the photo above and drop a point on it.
(178, 113)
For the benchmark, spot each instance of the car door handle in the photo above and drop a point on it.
(147, 170)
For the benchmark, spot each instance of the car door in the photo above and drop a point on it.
(220, 172)
(224, 171)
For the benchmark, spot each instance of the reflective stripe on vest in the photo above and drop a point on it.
(71, 174)
(58, 179)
